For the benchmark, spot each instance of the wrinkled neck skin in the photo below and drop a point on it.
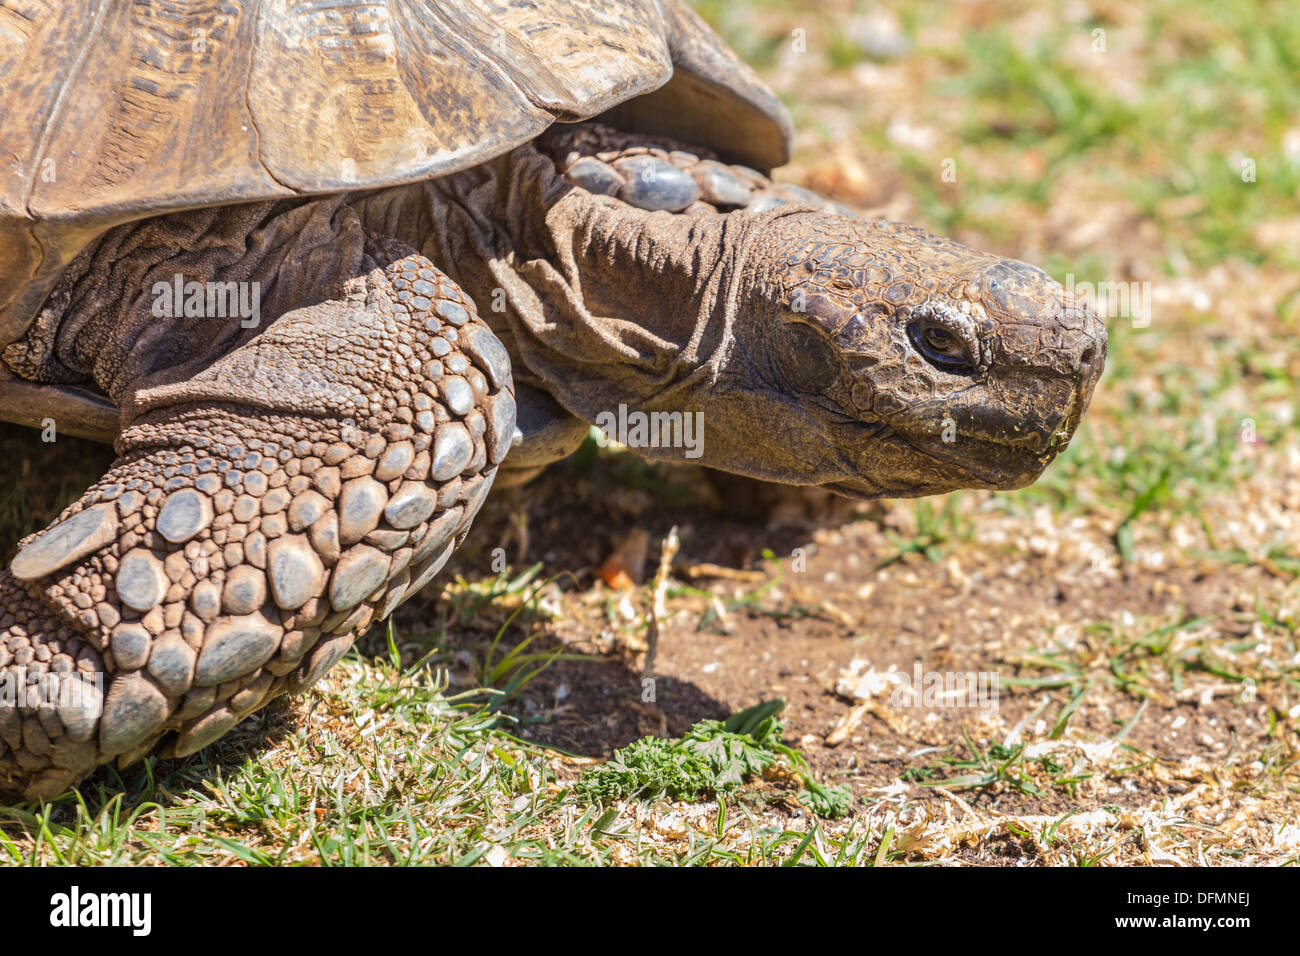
(604, 305)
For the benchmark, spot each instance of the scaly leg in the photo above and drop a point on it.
(260, 516)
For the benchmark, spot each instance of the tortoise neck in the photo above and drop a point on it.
(602, 304)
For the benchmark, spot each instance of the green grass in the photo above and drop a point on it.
(1148, 660)
(715, 757)
(1216, 81)
(391, 770)
(939, 527)
(987, 766)
(1182, 93)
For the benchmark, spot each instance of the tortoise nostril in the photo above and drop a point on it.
(1088, 355)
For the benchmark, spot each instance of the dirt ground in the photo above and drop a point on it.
(1019, 606)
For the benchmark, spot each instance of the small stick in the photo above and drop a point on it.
(658, 609)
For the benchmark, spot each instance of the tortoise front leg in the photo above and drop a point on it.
(261, 516)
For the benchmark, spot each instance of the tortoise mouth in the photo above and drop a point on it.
(991, 455)
(991, 464)
(929, 466)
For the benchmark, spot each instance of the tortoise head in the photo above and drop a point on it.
(915, 365)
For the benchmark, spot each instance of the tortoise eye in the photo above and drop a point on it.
(940, 347)
(941, 341)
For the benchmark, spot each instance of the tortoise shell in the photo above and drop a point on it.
(119, 111)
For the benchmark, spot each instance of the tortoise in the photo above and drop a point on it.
(325, 272)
